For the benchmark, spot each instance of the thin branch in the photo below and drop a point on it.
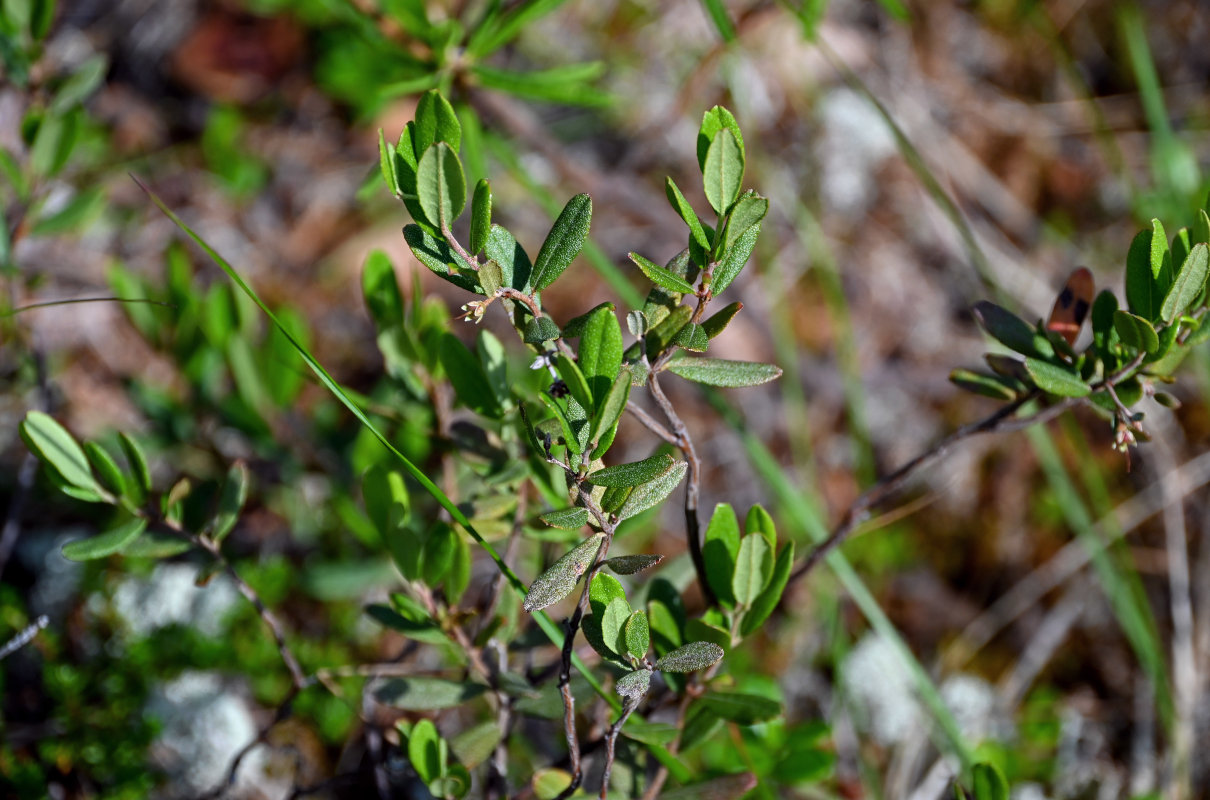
(281, 714)
(651, 423)
(692, 482)
(611, 741)
(23, 638)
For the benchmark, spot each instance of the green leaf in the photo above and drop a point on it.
(423, 750)
(112, 541)
(515, 267)
(761, 521)
(568, 519)
(386, 163)
(719, 551)
(561, 577)
(423, 693)
(73, 217)
(419, 627)
(740, 708)
(1148, 271)
(994, 386)
(438, 552)
(570, 437)
(989, 782)
(84, 80)
(1057, 380)
(1012, 331)
(628, 565)
(660, 276)
(720, 18)
(575, 326)
(58, 450)
(600, 355)
(441, 186)
(540, 329)
(1136, 332)
(230, 501)
(719, 321)
(475, 745)
(768, 599)
(550, 783)
(633, 474)
(613, 624)
(723, 172)
(653, 492)
(380, 289)
(721, 372)
(692, 337)
(564, 242)
(662, 334)
(713, 121)
(436, 122)
(440, 259)
(681, 206)
(481, 215)
(753, 566)
(637, 635)
(734, 260)
(691, 657)
(699, 630)
(467, 375)
(610, 412)
(633, 685)
(604, 590)
(137, 461)
(1189, 284)
(749, 210)
(106, 468)
(571, 374)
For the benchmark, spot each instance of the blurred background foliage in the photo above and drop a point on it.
(918, 157)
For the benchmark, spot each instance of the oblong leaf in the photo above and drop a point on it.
(568, 519)
(112, 541)
(1189, 284)
(753, 565)
(481, 215)
(633, 474)
(58, 450)
(441, 185)
(1136, 332)
(600, 353)
(613, 624)
(653, 492)
(564, 242)
(1012, 331)
(713, 121)
(1056, 380)
(719, 321)
(633, 685)
(561, 577)
(628, 565)
(467, 375)
(741, 708)
(988, 782)
(106, 468)
(637, 635)
(606, 419)
(719, 550)
(423, 693)
(993, 386)
(690, 657)
(439, 258)
(679, 204)
(231, 501)
(723, 172)
(734, 259)
(540, 329)
(749, 210)
(722, 372)
(515, 267)
(423, 750)
(763, 605)
(660, 276)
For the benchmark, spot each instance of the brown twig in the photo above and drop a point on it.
(611, 741)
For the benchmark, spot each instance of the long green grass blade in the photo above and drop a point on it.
(547, 625)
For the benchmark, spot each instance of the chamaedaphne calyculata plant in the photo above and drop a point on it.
(527, 462)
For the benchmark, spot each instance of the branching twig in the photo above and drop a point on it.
(611, 741)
